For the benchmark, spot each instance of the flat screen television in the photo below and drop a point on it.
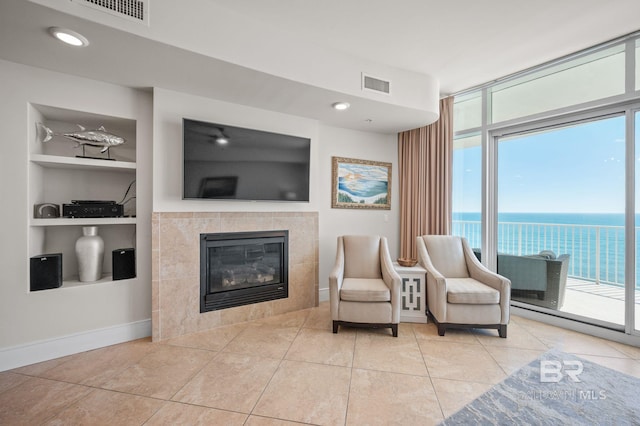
(223, 162)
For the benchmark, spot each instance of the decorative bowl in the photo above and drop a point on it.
(403, 261)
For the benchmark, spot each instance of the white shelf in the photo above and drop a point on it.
(57, 175)
(61, 162)
(70, 221)
(75, 282)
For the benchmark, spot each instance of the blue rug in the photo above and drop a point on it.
(557, 389)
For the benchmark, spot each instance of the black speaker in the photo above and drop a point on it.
(124, 263)
(46, 271)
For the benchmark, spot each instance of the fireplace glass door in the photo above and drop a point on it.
(242, 268)
(245, 265)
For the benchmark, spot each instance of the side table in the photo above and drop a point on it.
(412, 293)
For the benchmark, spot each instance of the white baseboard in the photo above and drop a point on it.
(44, 350)
(323, 295)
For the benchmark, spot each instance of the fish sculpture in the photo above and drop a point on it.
(98, 137)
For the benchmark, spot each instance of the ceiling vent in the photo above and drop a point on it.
(374, 84)
(134, 10)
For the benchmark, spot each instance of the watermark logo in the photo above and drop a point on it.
(555, 371)
(564, 373)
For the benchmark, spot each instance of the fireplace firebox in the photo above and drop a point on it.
(242, 268)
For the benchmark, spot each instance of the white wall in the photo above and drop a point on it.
(171, 107)
(31, 321)
(35, 326)
(337, 142)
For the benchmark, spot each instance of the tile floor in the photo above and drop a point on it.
(285, 370)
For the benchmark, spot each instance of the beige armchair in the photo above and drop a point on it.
(364, 287)
(461, 292)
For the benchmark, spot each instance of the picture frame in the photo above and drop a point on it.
(360, 184)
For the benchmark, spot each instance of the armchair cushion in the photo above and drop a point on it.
(447, 256)
(363, 257)
(470, 291)
(364, 290)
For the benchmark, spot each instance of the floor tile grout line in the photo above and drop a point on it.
(424, 361)
(275, 371)
(235, 337)
(160, 407)
(70, 404)
(278, 418)
(435, 393)
(92, 389)
(195, 374)
(118, 391)
(485, 346)
(353, 362)
(165, 401)
(380, 371)
(498, 363)
(296, 336)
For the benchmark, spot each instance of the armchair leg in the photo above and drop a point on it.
(394, 330)
(502, 331)
(441, 330)
(335, 327)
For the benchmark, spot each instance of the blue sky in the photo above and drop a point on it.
(571, 169)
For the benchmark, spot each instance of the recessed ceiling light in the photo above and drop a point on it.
(340, 106)
(70, 37)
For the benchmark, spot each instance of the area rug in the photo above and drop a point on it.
(557, 389)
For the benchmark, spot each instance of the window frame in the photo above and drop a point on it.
(627, 103)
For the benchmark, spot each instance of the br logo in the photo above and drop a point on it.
(554, 371)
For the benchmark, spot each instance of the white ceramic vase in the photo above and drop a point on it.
(90, 254)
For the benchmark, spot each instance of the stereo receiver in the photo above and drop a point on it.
(92, 208)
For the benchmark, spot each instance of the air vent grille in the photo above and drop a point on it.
(136, 10)
(377, 85)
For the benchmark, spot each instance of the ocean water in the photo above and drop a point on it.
(594, 241)
(603, 219)
(362, 188)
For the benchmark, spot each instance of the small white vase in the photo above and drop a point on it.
(90, 254)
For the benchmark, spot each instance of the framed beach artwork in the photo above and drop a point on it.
(360, 184)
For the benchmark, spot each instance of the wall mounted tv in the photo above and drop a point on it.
(223, 162)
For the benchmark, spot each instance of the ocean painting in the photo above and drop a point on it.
(361, 184)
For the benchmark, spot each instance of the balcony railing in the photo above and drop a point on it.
(597, 252)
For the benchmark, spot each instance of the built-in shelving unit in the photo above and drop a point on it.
(96, 221)
(57, 175)
(60, 162)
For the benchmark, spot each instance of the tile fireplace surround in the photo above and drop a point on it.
(176, 268)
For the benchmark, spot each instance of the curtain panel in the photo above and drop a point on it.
(425, 163)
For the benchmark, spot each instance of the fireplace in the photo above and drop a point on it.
(241, 268)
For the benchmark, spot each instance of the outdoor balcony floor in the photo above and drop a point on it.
(600, 301)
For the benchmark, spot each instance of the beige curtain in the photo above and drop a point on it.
(425, 162)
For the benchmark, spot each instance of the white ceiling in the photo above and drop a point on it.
(293, 56)
(463, 43)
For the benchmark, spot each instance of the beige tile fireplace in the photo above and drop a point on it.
(176, 268)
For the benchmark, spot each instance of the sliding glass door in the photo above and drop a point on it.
(635, 293)
(561, 216)
(556, 206)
